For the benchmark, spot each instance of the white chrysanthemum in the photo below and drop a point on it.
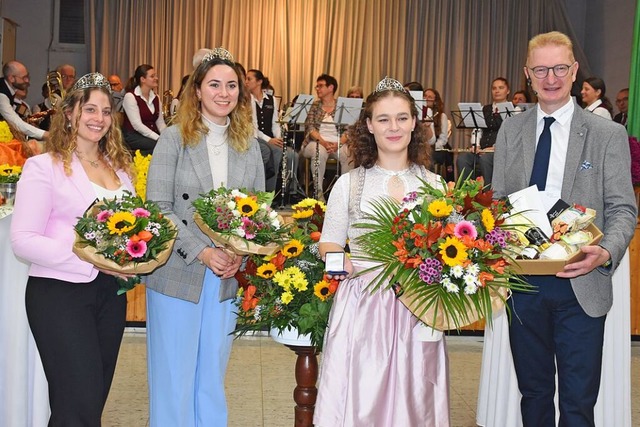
(473, 269)
(239, 232)
(273, 214)
(457, 271)
(470, 289)
(231, 204)
(469, 279)
(449, 285)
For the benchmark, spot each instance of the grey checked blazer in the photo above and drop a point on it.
(177, 176)
(597, 174)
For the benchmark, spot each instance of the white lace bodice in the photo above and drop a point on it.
(343, 210)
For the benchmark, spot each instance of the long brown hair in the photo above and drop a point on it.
(189, 117)
(363, 144)
(63, 134)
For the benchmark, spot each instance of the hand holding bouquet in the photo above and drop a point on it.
(443, 251)
(240, 220)
(125, 235)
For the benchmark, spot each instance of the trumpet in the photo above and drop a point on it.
(55, 88)
(167, 99)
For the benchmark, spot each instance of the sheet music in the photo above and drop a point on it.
(472, 116)
(348, 110)
(299, 110)
(418, 96)
(506, 109)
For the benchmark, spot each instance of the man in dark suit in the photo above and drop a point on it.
(587, 162)
(622, 102)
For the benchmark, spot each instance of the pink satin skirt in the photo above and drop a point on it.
(374, 373)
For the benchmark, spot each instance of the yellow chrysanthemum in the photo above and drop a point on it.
(286, 297)
(266, 271)
(453, 251)
(488, 220)
(299, 281)
(440, 208)
(302, 214)
(141, 164)
(321, 290)
(247, 206)
(282, 279)
(292, 249)
(309, 203)
(5, 132)
(121, 222)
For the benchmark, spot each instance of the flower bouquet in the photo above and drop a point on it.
(444, 252)
(240, 220)
(10, 174)
(127, 235)
(289, 289)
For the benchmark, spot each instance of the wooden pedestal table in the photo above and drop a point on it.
(306, 374)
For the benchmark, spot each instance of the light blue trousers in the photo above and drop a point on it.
(188, 348)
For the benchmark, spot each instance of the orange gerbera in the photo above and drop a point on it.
(484, 277)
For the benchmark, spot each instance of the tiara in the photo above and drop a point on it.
(389, 84)
(92, 80)
(218, 53)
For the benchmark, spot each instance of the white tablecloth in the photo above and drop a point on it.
(499, 398)
(24, 400)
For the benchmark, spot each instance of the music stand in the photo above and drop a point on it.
(296, 114)
(506, 109)
(470, 116)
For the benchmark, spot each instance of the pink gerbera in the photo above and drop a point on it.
(136, 249)
(250, 228)
(103, 216)
(141, 213)
(465, 228)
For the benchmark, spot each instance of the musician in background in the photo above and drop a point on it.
(67, 75)
(266, 128)
(322, 135)
(16, 77)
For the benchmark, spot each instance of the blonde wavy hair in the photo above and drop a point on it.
(63, 134)
(189, 118)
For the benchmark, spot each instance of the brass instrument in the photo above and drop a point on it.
(167, 100)
(56, 94)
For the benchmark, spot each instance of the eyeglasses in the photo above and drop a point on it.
(620, 101)
(66, 76)
(320, 86)
(25, 77)
(560, 70)
(113, 84)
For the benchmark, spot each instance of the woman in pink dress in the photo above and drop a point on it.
(381, 366)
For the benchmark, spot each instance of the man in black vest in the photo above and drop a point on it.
(16, 77)
(622, 102)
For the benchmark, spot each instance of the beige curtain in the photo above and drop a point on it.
(455, 46)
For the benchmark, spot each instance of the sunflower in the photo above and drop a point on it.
(453, 251)
(266, 271)
(440, 208)
(487, 220)
(247, 206)
(121, 222)
(302, 214)
(292, 249)
(321, 290)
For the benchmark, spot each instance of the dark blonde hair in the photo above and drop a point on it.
(63, 134)
(363, 144)
(189, 117)
(553, 38)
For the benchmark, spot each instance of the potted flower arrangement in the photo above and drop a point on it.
(125, 234)
(9, 177)
(289, 290)
(240, 220)
(444, 251)
(141, 165)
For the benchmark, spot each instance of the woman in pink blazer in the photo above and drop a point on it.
(74, 313)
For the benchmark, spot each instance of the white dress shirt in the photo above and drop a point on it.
(133, 113)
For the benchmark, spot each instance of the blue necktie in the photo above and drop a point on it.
(541, 161)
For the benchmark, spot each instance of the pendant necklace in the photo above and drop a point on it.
(93, 163)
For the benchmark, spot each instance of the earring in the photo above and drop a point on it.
(68, 126)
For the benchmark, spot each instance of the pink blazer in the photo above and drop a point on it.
(47, 206)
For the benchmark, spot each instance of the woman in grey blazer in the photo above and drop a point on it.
(189, 308)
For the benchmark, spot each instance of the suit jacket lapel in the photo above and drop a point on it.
(236, 170)
(200, 160)
(81, 181)
(577, 137)
(529, 143)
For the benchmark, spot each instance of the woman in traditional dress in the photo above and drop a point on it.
(379, 368)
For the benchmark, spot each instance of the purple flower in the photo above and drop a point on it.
(136, 249)
(141, 213)
(497, 237)
(410, 197)
(465, 228)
